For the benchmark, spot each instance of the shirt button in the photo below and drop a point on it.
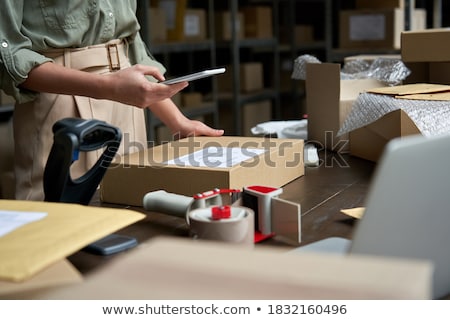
(4, 44)
(111, 15)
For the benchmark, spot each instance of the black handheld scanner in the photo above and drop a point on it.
(72, 136)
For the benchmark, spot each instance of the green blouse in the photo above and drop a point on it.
(28, 27)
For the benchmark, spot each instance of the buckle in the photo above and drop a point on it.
(113, 57)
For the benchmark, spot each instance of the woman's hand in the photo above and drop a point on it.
(195, 128)
(130, 86)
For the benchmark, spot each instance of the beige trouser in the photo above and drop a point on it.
(33, 121)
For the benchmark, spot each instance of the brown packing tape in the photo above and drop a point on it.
(239, 231)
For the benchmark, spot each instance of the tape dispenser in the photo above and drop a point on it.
(272, 215)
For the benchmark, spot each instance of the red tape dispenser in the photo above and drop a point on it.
(273, 216)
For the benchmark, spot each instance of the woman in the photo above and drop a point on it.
(82, 58)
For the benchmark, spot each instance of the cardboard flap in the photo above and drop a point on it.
(286, 220)
(323, 78)
(408, 89)
(438, 96)
(388, 128)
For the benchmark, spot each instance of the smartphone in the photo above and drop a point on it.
(111, 244)
(195, 76)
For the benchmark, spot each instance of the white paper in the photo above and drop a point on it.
(216, 157)
(11, 220)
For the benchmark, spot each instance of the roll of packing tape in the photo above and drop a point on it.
(238, 228)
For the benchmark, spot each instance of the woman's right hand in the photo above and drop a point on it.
(131, 86)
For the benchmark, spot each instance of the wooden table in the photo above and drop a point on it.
(339, 182)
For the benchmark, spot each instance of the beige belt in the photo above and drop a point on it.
(112, 55)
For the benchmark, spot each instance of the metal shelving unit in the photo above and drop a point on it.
(164, 52)
(286, 12)
(237, 99)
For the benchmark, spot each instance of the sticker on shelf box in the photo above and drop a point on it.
(216, 157)
(367, 27)
(191, 25)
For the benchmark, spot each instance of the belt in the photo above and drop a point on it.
(112, 54)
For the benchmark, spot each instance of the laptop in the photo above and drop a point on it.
(407, 212)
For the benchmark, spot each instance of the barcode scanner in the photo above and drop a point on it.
(70, 137)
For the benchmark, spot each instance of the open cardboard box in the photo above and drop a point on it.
(329, 100)
(128, 179)
(427, 66)
(369, 141)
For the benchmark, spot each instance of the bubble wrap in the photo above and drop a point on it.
(387, 70)
(299, 72)
(430, 117)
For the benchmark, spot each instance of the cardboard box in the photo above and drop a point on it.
(175, 269)
(436, 42)
(254, 113)
(431, 65)
(223, 26)
(129, 178)
(376, 28)
(379, 4)
(301, 34)
(439, 72)
(328, 101)
(369, 141)
(258, 21)
(251, 76)
(175, 11)
(191, 99)
(371, 28)
(195, 24)
(157, 25)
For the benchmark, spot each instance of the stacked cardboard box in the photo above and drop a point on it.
(223, 25)
(251, 78)
(431, 65)
(174, 21)
(377, 24)
(258, 21)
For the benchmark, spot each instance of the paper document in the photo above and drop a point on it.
(216, 157)
(11, 220)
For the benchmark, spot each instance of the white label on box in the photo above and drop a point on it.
(191, 25)
(367, 27)
(216, 157)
